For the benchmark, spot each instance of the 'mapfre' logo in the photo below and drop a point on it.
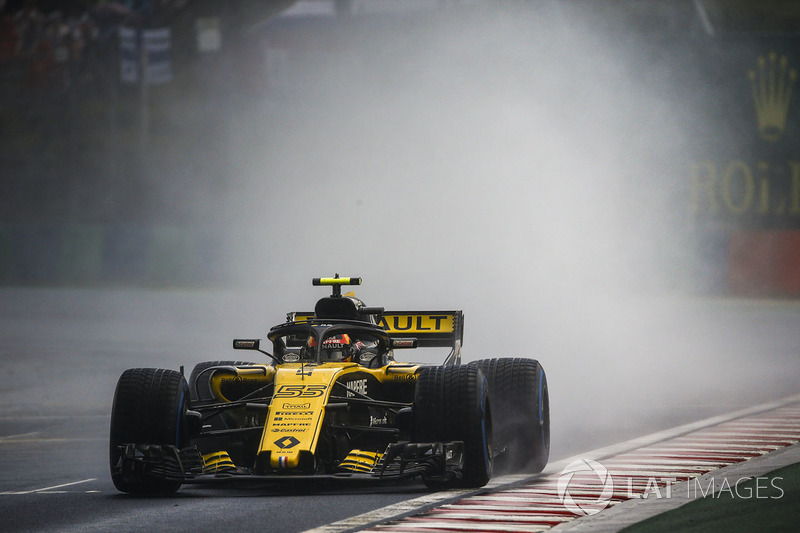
(585, 487)
(772, 83)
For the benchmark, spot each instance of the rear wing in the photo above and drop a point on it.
(432, 329)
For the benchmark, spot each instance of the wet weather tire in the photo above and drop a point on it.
(149, 408)
(452, 404)
(521, 412)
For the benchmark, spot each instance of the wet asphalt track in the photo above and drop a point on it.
(61, 352)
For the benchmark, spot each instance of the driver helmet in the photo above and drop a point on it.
(335, 349)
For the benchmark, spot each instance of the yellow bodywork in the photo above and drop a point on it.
(257, 375)
(361, 461)
(217, 463)
(299, 404)
(406, 323)
(297, 410)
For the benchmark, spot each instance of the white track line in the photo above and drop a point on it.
(47, 489)
(18, 436)
(35, 440)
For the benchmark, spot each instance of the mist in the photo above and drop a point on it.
(478, 153)
(507, 162)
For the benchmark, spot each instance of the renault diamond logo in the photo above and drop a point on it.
(772, 82)
(286, 442)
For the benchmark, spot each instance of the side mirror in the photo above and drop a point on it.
(247, 344)
(251, 344)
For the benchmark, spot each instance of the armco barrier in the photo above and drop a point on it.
(36, 252)
(125, 254)
(82, 254)
(764, 263)
(711, 253)
(108, 255)
(192, 256)
(6, 255)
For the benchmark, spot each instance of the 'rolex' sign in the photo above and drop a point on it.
(746, 169)
(772, 82)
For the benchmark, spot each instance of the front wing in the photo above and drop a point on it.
(436, 461)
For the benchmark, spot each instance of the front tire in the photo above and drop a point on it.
(452, 404)
(149, 408)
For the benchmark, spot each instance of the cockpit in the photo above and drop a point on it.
(316, 342)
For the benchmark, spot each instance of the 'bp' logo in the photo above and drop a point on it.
(284, 443)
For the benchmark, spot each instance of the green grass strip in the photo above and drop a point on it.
(770, 502)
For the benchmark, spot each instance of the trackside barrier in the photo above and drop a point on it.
(128, 254)
(711, 256)
(764, 263)
(82, 254)
(125, 254)
(6, 255)
(36, 250)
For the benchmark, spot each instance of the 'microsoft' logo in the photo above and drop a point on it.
(585, 487)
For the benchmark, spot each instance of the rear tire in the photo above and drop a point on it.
(149, 408)
(521, 410)
(452, 404)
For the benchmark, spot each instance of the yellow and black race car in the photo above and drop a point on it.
(332, 401)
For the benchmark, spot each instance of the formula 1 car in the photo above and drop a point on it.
(332, 401)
